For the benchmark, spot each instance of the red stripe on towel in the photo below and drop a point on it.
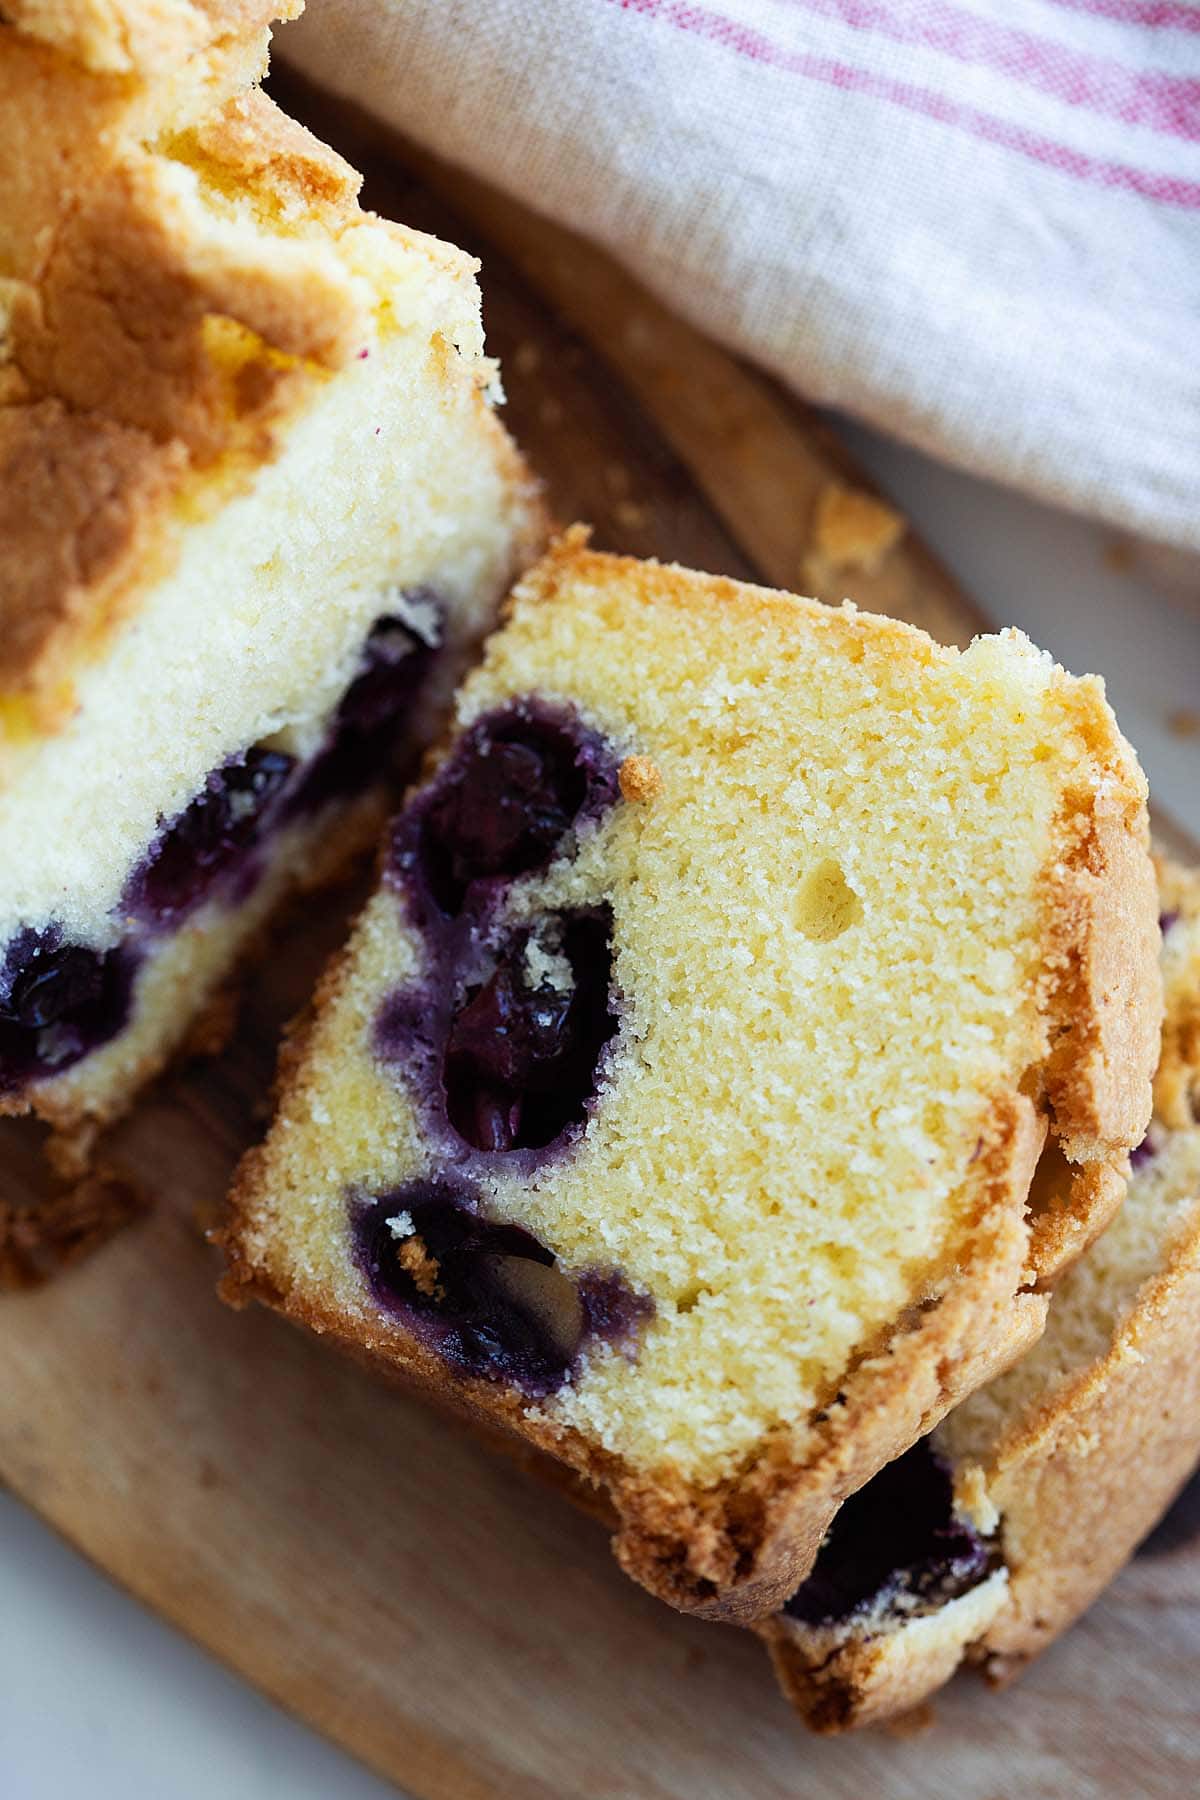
(1151, 15)
(731, 34)
(1147, 97)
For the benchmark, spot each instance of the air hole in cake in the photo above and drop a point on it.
(523, 1047)
(826, 904)
(896, 1543)
(503, 803)
(58, 1002)
(487, 1296)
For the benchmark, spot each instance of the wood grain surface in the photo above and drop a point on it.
(371, 1567)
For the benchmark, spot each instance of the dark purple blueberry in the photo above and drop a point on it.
(521, 1057)
(1142, 1154)
(374, 712)
(58, 1002)
(488, 1296)
(517, 783)
(1179, 1527)
(614, 1312)
(896, 1538)
(50, 984)
(393, 656)
(210, 839)
(1166, 921)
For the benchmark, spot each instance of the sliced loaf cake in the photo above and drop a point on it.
(678, 1098)
(255, 509)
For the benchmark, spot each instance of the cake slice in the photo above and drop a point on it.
(255, 509)
(678, 1097)
(987, 1539)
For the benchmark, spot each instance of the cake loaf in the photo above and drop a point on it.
(678, 1098)
(255, 509)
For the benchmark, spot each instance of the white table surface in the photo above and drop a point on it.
(99, 1701)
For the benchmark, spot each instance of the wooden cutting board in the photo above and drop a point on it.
(367, 1565)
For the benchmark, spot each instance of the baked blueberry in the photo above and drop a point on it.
(376, 710)
(519, 781)
(58, 1001)
(897, 1538)
(487, 1295)
(205, 843)
(522, 1050)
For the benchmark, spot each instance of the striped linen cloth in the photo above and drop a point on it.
(974, 223)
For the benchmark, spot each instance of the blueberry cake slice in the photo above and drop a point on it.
(678, 1097)
(988, 1538)
(255, 507)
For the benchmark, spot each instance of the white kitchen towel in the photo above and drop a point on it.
(975, 223)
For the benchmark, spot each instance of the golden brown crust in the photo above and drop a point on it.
(138, 37)
(1104, 1006)
(117, 322)
(255, 144)
(1078, 1484)
(91, 488)
(150, 349)
(870, 1679)
(1069, 1207)
(1073, 1511)
(65, 126)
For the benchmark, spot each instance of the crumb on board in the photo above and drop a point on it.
(850, 531)
(37, 1241)
(914, 1723)
(1120, 554)
(1184, 722)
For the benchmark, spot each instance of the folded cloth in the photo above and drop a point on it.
(974, 223)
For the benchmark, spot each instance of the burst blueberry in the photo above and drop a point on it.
(522, 1053)
(372, 720)
(196, 851)
(58, 1002)
(488, 1296)
(896, 1538)
(518, 782)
